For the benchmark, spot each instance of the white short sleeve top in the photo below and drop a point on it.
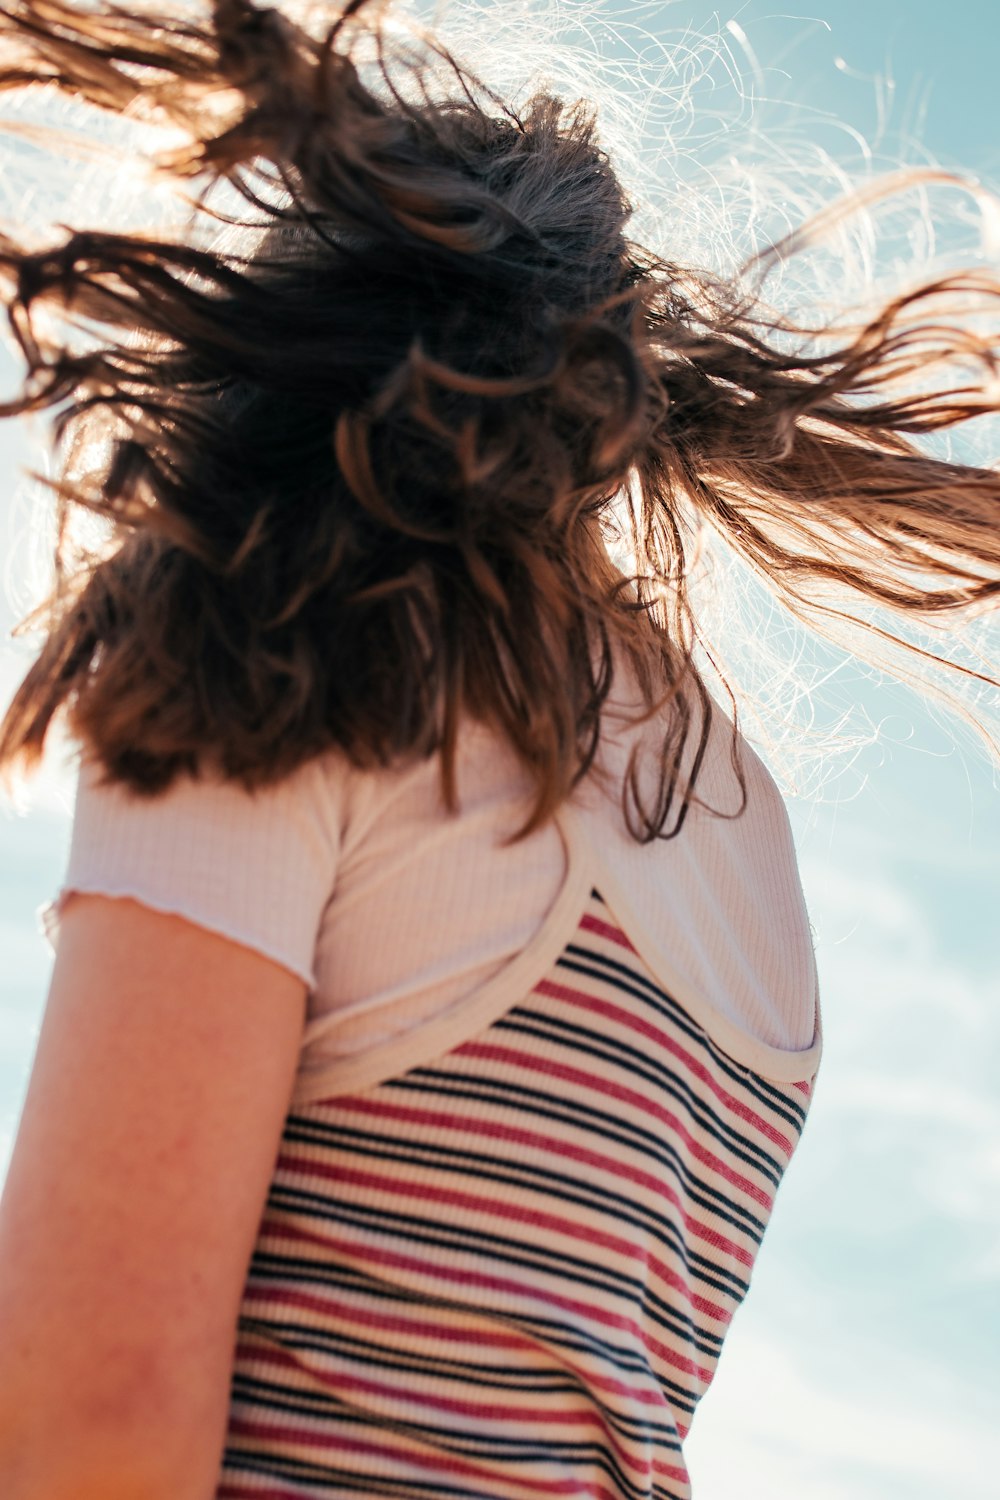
(414, 927)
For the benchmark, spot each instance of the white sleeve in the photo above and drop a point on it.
(256, 867)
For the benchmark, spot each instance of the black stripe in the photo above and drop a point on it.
(770, 1094)
(544, 1181)
(627, 1421)
(609, 1128)
(583, 1116)
(508, 1451)
(702, 1116)
(466, 1372)
(238, 1461)
(561, 1335)
(778, 1092)
(664, 1007)
(267, 1267)
(642, 1302)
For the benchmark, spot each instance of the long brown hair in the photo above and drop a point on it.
(356, 477)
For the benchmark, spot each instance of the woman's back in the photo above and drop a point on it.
(540, 1116)
(415, 925)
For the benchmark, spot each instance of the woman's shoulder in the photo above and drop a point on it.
(254, 865)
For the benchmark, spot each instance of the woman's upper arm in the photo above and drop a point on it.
(150, 1129)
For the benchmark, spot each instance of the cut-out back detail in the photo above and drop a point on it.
(507, 1274)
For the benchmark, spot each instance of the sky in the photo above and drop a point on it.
(865, 1359)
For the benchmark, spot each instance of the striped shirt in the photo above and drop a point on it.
(507, 1273)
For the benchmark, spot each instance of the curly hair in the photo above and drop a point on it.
(358, 478)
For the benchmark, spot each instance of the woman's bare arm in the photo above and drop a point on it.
(147, 1141)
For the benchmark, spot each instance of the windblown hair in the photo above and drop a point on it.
(357, 478)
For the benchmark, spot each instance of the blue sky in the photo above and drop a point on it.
(864, 1361)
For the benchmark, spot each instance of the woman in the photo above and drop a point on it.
(434, 1010)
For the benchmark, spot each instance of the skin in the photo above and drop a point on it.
(161, 1081)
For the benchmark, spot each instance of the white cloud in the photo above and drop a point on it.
(907, 1090)
(782, 1425)
(925, 1100)
(878, 952)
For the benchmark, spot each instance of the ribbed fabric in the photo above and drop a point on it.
(507, 1273)
(409, 922)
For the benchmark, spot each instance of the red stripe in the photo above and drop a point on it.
(342, 1311)
(437, 1119)
(606, 930)
(501, 1213)
(616, 935)
(438, 1463)
(487, 1051)
(437, 1270)
(343, 1314)
(491, 1410)
(646, 1028)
